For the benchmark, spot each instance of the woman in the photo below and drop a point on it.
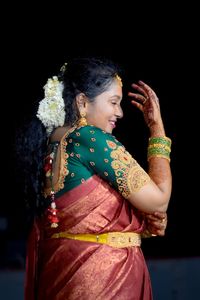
(97, 200)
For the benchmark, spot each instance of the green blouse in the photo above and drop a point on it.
(89, 150)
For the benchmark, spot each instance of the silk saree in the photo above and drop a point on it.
(70, 269)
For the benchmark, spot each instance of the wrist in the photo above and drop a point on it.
(159, 146)
(157, 130)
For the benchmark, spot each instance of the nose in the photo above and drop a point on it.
(119, 112)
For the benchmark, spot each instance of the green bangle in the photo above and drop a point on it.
(159, 147)
(158, 152)
(160, 140)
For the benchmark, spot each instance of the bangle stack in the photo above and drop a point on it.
(159, 147)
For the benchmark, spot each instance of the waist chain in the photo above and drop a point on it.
(113, 239)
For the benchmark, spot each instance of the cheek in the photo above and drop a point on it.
(93, 114)
(100, 112)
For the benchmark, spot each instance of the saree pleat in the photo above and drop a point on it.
(71, 269)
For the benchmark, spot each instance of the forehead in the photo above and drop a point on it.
(115, 89)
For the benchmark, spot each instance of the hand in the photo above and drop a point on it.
(156, 223)
(147, 101)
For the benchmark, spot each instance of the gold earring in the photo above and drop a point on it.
(82, 121)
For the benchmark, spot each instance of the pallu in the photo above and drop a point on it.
(61, 268)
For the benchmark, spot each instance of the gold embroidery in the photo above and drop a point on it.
(111, 144)
(130, 176)
(63, 172)
(137, 178)
(59, 184)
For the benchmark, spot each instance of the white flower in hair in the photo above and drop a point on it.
(51, 111)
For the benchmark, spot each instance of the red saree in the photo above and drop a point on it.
(71, 269)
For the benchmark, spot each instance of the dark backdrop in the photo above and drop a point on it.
(157, 46)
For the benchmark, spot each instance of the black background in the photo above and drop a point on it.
(157, 44)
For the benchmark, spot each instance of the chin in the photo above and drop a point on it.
(109, 130)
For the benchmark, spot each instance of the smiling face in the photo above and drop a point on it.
(104, 111)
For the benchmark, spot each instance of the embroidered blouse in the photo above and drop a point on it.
(89, 150)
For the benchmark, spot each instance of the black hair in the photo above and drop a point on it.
(91, 76)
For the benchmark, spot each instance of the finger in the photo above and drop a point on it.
(160, 215)
(149, 92)
(137, 104)
(152, 218)
(146, 87)
(159, 225)
(155, 231)
(156, 217)
(139, 89)
(138, 97)
(160, 232)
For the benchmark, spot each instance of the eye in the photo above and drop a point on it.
(114, 103)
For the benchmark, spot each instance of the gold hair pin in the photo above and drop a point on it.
(63, 68)
(119, 79)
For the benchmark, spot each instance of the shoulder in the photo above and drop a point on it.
(91, 133)
(58, 134)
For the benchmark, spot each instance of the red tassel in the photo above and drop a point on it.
(53, 213)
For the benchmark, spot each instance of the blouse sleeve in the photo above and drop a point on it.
(107, 157)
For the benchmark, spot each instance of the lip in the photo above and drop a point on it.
(112, 123)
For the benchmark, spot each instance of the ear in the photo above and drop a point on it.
(81, 101)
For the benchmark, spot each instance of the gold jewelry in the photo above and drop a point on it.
(113, 239)
(159, 147)
(63, 68)
(82, 121)
(145, 100)
(119, 79)
(147, 234)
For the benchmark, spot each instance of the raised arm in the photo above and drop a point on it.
(155, 194)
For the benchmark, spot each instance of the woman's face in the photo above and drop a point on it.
(106, 109)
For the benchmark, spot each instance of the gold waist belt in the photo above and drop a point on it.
(113, 239)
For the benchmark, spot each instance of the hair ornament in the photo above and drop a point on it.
(119, 79)
(63, 68)
(51, 111)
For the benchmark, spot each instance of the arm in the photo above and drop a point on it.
(103, 155)
(155, 195)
